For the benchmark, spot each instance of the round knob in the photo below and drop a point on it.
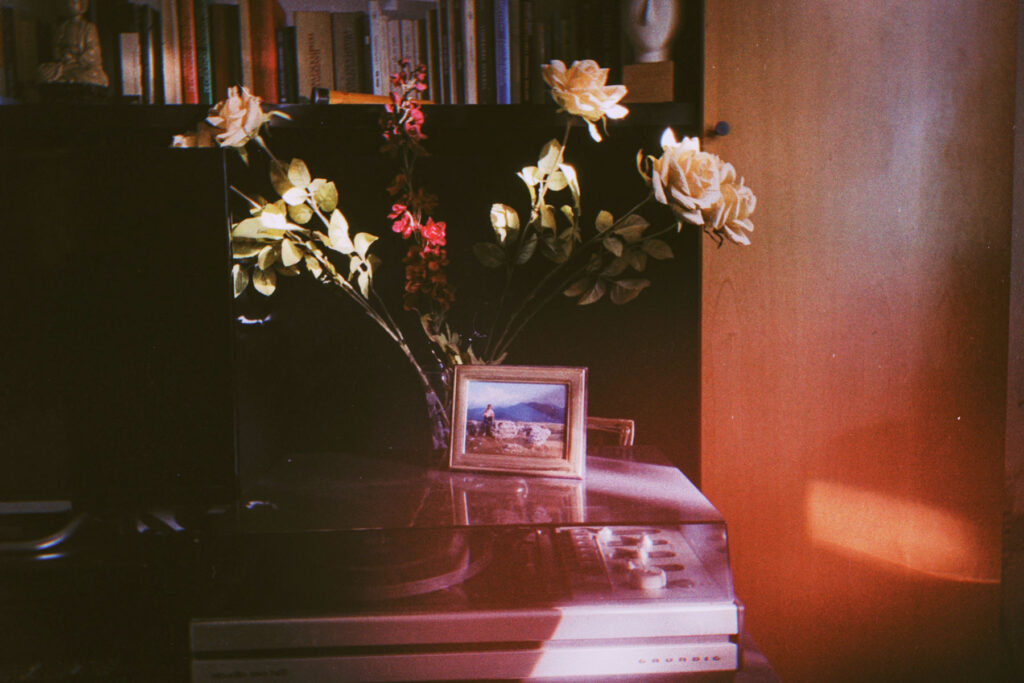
(721, 128)
(648, 578)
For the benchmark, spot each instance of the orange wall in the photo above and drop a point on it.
(854, 358)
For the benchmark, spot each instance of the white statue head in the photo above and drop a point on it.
(651, 25)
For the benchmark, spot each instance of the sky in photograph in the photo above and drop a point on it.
(511, 393)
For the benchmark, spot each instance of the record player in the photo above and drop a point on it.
(343, 568)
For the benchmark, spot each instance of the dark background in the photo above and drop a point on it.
(117, 353)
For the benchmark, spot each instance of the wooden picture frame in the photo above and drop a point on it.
(519, 418)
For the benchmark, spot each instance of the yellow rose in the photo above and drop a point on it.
(581, 91)
(700, 188)
(238, 118)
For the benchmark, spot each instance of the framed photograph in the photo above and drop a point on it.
(519, 418)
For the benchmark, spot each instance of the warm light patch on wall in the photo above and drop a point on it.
(899, 532)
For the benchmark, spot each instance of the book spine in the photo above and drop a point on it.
(187, 34)
(225, 48)
(287, 64)
(502, 58)
(26, 47)
(245, 42)
(170, 55)
(528, 59)
(515, 52)
(3, 61)
(346, 46)
(431, 41)
(9, 58)
(204, 65)
(264, 19)
(485, 61)
(410, 49)
(314, 54)
(469, 63)
(394, 28)
(378, 47)
(446, 29)
(107, 16)
(131, 70)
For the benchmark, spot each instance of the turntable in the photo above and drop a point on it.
(340, 568)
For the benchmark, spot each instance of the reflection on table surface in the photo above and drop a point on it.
(330, 491)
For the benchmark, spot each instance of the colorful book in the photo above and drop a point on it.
(245, 42)
(314, 52)
(187, 43)
(348, 44)
(514, 53)
(432, 44)
(394, 28)
(410, 38)
(204, 63)
(378, 47)
(265, 17)
(469, 60)
(485, 60)
(131, 69)
(225, 48)
(287, 65)
(170, 51)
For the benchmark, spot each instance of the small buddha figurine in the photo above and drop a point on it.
(76, 51)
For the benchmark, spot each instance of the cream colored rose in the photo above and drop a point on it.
(730, 216)
(238, 118)
(700, 188)
(581, 91)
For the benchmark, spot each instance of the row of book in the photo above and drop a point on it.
(191, 51)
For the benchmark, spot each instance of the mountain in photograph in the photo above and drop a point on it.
(531, 412)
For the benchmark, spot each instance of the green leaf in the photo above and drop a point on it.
(265, 281)
(240, 278)
(632, 228)
(658, 249)
(615, 267)
(613, 245)
(568, 212)
(298, 174)
(557, 181)
(595, 293)
(325, 195)
(547, 217)
(549, 154)
(527, 249)
(267, 257)
(574, 184)
(504, 220)
(300, 213)
(242, 247)
(253, 228)
(294, 196)
(489, 254)
(313, 266)
(338, 232)
(290, 271)
(290, 253)
(604, 221)
(580, 286)
(279, 179)
(624, 291)
(636, 258)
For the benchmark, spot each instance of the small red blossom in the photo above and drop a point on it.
(433, 232)
(405, 225)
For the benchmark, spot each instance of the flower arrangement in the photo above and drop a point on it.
(304, 230)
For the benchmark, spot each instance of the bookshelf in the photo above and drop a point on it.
(190, 51)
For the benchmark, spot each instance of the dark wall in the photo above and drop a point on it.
(339, 377)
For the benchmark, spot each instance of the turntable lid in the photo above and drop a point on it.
(331, 491)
